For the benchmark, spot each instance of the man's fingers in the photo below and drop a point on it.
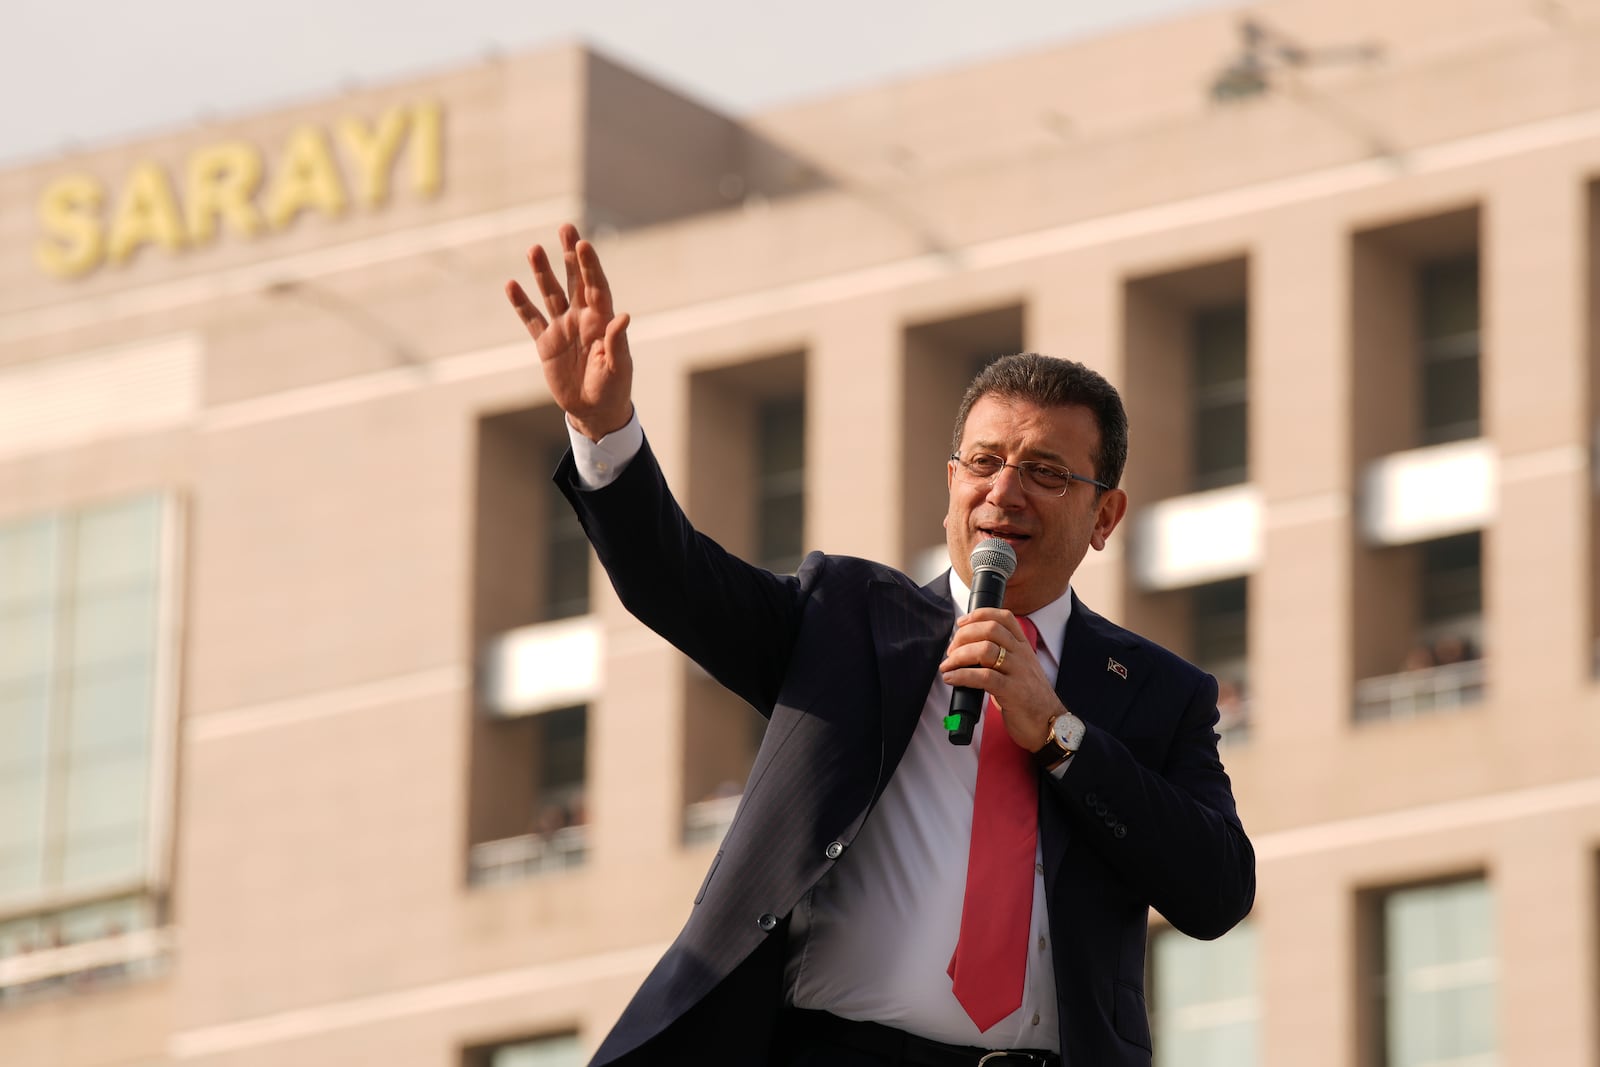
(617, 338)
(597, 289)
(569, 256)
(555, 301)
(525, 310)
(998, 616)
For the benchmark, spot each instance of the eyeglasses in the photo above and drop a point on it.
(1041, 479)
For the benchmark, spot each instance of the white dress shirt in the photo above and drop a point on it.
(873, 939)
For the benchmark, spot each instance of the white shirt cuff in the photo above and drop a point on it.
(601, 462)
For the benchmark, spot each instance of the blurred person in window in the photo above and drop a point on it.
(884, 896)
(1232, 711)
(1419, 658)
(1453, 648)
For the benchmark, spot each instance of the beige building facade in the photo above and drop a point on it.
(323, 740)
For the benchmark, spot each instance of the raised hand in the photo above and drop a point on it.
(583, 343)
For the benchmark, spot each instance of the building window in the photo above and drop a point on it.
(566, 549)
(532, 561)
(1414, 333)
(1443, 668)
(539, 655)
(747, 448)
(781, 483)
(942, 357)
(563, 744)
(1436, 986)
(721, 737)
(1220, 423)
(1452, 587)
(539, 823)
(1219, 621)
(85, 738)
(1204, 1005)
(560, 1050)
(1448, 321)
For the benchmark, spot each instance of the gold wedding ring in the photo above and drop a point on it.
(1001, 658)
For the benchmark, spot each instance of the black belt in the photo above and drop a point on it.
(899, 1047)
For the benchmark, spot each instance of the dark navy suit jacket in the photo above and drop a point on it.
(840, 656)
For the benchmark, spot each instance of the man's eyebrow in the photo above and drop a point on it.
(1032, 456)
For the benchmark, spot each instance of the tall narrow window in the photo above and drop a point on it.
(942, 356)
(1443, 667)
(1452, 584)
(539, 820)
(1221, 433)
(781, 483)
(747, 455)
(82, 723)
(562, 740)
(1205, 1006)
(1437, 984)
(566, 550)
(539, 654)
(1220, 622)
(1449, 323)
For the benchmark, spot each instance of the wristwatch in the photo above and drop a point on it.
(1066, 735)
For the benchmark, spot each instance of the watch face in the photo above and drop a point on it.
(1068, 732)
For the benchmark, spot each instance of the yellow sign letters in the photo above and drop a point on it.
(230, 187)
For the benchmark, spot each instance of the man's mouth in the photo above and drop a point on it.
(1010, 537)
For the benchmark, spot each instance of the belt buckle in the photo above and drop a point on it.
(1002, 1055)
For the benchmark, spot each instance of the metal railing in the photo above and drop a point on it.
(512, 859)
(1420, 692)
(39, 972)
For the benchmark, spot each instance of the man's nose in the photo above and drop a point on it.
(1006, 489)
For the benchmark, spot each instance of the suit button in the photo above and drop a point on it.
(1090, 799)
(1111, 820)
(834, 850)
(767, 921)
(1101, 808)
(1120, 832)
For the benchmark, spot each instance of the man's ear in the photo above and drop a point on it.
(1108, 513)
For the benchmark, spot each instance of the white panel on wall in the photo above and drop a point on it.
(1427, 493)
(1198, 538)
(543, 667)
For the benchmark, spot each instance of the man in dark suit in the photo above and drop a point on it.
(884, 896)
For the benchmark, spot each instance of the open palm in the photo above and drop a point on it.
(581, 340)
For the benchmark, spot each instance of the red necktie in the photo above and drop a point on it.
(991, 957)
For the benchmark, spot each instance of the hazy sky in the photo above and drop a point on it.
(80, 74)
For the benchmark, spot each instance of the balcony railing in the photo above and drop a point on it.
(511, 859)
(707, 821)
(1420, 692)
(38, 972)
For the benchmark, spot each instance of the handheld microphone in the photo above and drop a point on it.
(993, 563)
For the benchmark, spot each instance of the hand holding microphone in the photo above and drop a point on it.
(993, 563)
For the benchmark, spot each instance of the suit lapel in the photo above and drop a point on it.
(1102, 669)
(910, 631)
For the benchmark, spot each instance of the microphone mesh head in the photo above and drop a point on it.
(994, 555)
